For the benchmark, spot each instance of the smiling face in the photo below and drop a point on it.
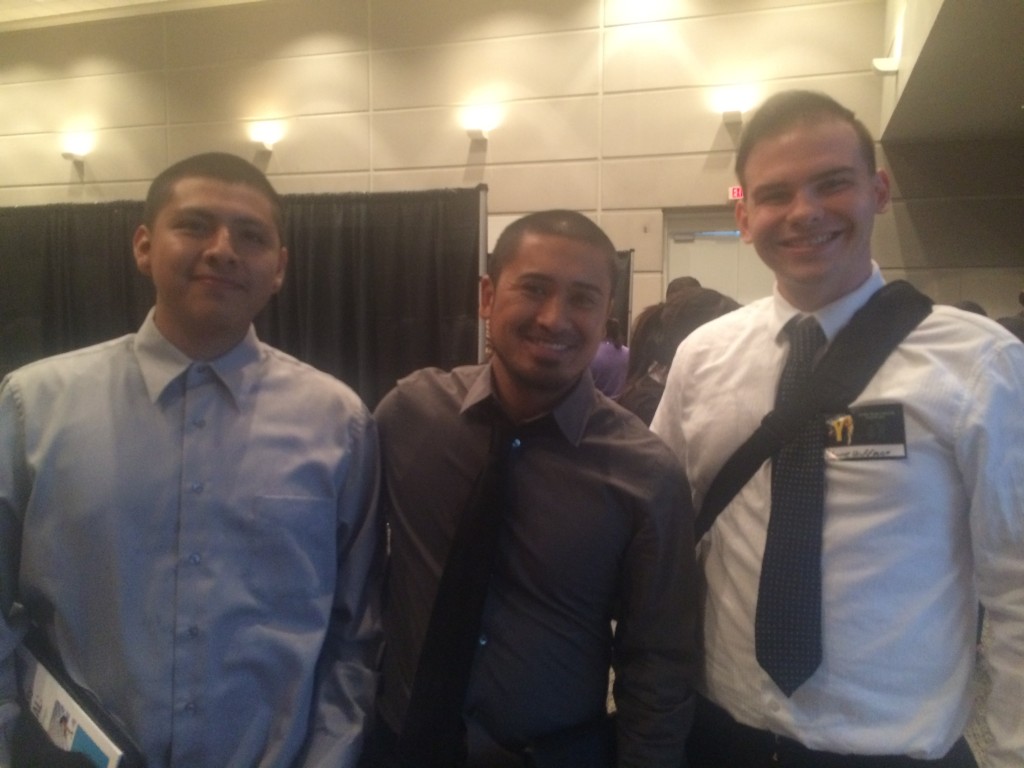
(547, 314)
(215, 257)
(809, 208)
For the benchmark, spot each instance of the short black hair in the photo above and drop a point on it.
(788, 108)
(221, 166)
(563, 223)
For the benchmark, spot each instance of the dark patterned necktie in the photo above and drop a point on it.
(788, 622)
(432, 736)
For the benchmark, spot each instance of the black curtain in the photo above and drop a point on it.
(67, 278)
(623, 289)
(377, 286)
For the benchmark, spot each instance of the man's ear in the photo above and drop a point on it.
(883, 190)
(141, 246)
(742, 221)
(486, 297)
(282, 264)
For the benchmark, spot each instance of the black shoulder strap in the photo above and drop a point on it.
(843, 372)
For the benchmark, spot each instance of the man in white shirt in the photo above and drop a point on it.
(188, 515)
(910, 541)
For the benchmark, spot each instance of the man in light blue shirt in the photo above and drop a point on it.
(188, 514)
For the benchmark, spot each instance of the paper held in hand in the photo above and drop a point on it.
(62, 717)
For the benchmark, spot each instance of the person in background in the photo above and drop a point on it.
(610, 361)
(596, 528)
(188, 515)
(917, 525)
(968, 305)
(681, 285)
(1015, 323)
(674, 320)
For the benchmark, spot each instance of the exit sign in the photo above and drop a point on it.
(736, 193)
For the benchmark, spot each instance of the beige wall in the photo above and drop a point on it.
(607, 110)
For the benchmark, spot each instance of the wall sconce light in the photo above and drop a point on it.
(732, 117)
(266, 133)
(480, 119)
(75, 146)
(886, 66)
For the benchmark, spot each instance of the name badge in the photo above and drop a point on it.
(866, 432)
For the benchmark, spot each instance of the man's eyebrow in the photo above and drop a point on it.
(775, 186)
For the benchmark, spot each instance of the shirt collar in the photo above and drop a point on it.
(571, 414)
(832, 317)
(162, 363)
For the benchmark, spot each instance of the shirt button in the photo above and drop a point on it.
(191, 708)
(199, 422)
(517, 443)
(195, 558)
(196, 487)
(482, 639)
(193, 631)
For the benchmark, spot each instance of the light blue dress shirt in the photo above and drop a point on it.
(200, 542)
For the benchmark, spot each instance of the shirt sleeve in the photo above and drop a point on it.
(991, 455)
(656, 638)
(13, 491)
(346, 675)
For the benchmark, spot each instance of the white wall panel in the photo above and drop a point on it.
(128, 45)
(322, 183)
(662, 123)
(72, 192)
(542, 186)
(128, 154)
(643, 231)
(744, 48)
(632, 12)
(400, 23)
(666, 182)
(83, 103)
(269, 89)
(310, 145)
(548, 130)
(510, 189)
(494, 71)
(266, 30)
(648, 289)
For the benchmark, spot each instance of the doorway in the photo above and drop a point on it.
(705, 244)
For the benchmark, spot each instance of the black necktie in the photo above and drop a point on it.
(433, 731)
(788, 623)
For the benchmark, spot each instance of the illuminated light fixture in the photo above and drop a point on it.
(480, 119)
(266, 133)
(886, 66)
(731, 101)
(77, 145)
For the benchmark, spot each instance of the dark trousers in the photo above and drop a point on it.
(718, 741)
(588, 746)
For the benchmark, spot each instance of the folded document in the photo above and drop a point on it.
(64, 718)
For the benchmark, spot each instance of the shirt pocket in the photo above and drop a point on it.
(291, 543)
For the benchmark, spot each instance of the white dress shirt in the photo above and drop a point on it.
(909, 543)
